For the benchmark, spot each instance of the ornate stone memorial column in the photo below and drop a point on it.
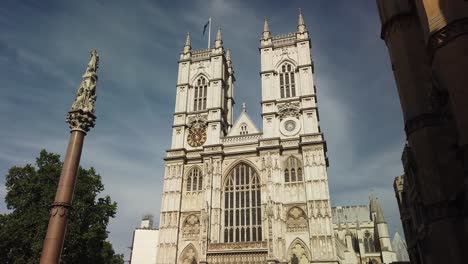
(80, 118)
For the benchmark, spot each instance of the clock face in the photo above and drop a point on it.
(290, 125)
(196, 136)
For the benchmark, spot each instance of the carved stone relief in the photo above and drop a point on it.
(315, 157)
(289, 110)
(296, 220)
(191, 227)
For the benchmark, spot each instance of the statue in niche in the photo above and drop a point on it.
(218, 170)
(314, 158)
(294, 259)
(270, 207)
(209, 166)
(268, 162)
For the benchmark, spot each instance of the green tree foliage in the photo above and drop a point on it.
(30, 191)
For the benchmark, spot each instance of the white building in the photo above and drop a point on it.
(233, 193)
(145, 241)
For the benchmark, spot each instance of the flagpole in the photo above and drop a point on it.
(209, 32)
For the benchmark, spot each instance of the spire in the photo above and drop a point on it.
(380, 217)
(187, 47)
(266, 30)
(301, 27)
(218, 41)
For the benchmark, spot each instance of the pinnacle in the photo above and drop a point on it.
(218, 34)
(266, 28)
(187, 46)
(301, 27)
(187, 40)
(218, 41)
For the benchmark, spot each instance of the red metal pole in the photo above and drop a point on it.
(56, 230)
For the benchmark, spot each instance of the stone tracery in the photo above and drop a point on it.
(298, 253)
(296, 220)
(191, 227)
(189, 255)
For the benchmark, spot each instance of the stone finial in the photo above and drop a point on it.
(244, 107)
(301, 27)
(187, 47)
(266, 30)
(228, 56)
(218, 41)
(81, 115)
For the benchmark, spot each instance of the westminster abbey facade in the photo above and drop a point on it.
(233, 193)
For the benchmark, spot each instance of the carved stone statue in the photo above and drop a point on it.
(270, 209)
(81, 115)
(217, 167)
(268, 161)
(209, 166)
(86, 94)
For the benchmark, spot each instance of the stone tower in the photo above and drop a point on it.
(427, 42)
(235, 194)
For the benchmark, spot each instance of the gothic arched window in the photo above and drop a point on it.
(287, 81)
(199, 94)
(242, 205)
(195, 180)
(293, 170)
(369, 245)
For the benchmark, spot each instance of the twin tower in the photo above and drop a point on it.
(233, 193)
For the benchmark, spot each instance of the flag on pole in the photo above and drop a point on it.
(205, 26)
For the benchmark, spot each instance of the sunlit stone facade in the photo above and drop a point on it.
(235, 194)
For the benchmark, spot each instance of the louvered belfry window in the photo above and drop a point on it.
(242, 205)
(287, 81)
(293, 170)
(199, 94)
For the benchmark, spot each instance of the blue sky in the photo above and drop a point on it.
(44, 48)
